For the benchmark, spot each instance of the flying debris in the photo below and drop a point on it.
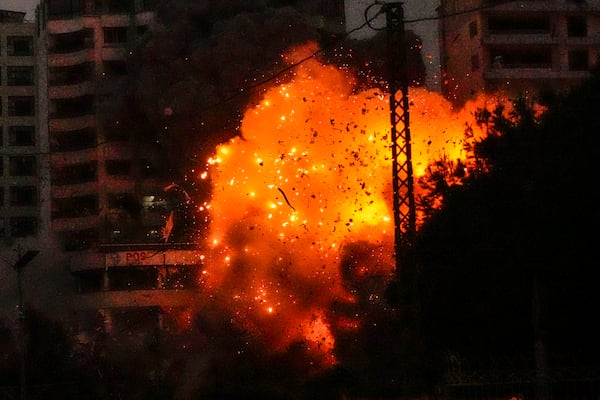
(286, 199)
(173, 187)
(168, 228)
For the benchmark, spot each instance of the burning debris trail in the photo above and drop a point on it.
(310, 178)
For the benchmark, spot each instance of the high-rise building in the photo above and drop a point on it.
(529, 47)
(110, 208)
(23, 179)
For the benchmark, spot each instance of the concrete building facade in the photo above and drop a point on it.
(531, 47)
(108, 207)
(21, 134)
(105, 206)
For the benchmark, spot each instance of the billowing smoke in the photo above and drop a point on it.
(203, 61)
(195, 73)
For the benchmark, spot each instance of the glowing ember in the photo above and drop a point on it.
(310, 175)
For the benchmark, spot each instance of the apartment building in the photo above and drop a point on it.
(109, 206)
(23, 179)
(533, 47)
(114, 220)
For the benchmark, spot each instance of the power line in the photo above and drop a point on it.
(462, 12)
(298, 63)
(367, 23)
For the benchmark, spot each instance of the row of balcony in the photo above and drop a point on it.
(78, 21)
(138, 298)
(525, 73)
(81, 56)
(539, 39)
(542, 5)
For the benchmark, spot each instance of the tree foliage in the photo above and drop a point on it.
(528, 213)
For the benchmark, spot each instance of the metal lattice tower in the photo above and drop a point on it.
(403, 183)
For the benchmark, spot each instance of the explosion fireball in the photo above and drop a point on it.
(309, 176)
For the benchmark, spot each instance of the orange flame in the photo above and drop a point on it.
(310, 174)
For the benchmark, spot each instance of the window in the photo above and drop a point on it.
(72, 107)
(149, 5)
(527, 57)
(75, 173)
(61, 7)
(123, 201)
(519, 25)
(180, 278)
(19, 46)
(75, 207)
(141, 30)
(1, 196)
(73, 140)
(577, 27)
(23, 226)
(22, 166)
(118, 167)
(71, 74)
(70, 42)
(115, 35)
(21, 136)
(578, 60)
(79, 240)
(133, 279)
(22, 196)
(114, 68)
(149, 170)
(21, 106)
(474, 62)
(473, 29)
(117, 6)
(19, 76)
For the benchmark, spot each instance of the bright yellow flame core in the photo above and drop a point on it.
(311, 173)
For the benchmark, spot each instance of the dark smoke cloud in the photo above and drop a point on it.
(197, 71)
(204, 62)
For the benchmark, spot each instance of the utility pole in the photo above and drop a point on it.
(18, 266)
(402, 170)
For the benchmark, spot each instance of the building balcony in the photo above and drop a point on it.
(86, 260)
(145, 17)
(114, 53)
(72, 113)
(74, 224)
(533, 74)
(115, 20)
(67, 91)
(19, 90)
(540, 5)
(130, 255)
(116, 150)
(78, 189)
(137, 298)
(74, 58)
(20, 60)
(584, 41)
(519, 39)
(73, 157)
(72, 124)
(65, 23)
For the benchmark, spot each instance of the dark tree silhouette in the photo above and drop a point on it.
(508, 260)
